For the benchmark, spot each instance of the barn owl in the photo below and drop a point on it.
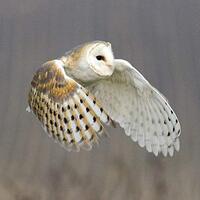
(75, 96)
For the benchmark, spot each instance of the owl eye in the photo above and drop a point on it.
(99, 57)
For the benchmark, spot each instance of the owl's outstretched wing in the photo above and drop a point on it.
(139, 108)
(67, 111)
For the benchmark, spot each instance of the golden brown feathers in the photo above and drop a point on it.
(67, 111)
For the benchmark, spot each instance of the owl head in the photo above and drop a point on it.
(90, 61)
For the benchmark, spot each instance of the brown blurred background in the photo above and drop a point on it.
(161, 38)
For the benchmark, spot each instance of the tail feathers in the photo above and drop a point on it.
(28, 109)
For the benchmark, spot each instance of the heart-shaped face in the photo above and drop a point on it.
(90, 61)
(100, 58)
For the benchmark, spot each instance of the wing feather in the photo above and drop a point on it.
(68, 112)
(139, 108)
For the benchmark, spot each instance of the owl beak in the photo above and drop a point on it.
(109, 65)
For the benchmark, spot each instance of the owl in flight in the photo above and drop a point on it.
(76, 95)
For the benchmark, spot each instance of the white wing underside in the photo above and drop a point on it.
(139, 108)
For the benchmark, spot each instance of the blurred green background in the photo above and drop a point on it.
(160, 38)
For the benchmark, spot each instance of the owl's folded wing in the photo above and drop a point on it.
(67, 111)
(139, 108)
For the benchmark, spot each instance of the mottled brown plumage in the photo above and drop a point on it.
(64, 108)
(51, 81)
